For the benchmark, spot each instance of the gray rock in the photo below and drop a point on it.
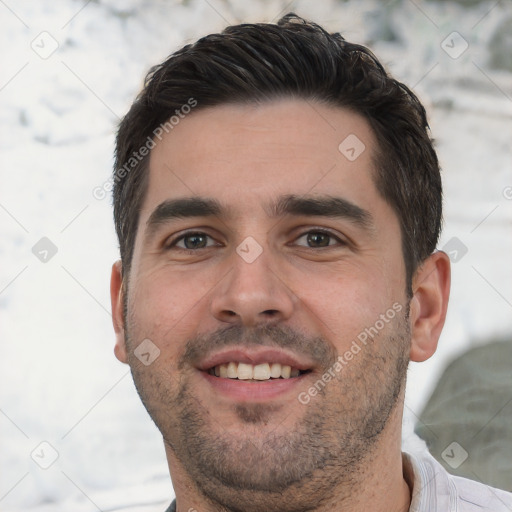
(500, 46)
(467, 422)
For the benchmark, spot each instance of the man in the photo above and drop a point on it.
(278, 203)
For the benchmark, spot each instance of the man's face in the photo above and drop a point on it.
(272, 282)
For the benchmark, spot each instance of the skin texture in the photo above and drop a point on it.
(308, 296)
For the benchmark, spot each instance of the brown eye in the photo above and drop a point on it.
(316, 239)
(191, 241)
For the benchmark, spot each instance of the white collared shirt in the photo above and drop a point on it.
(435, 490)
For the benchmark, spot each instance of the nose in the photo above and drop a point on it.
(253, 293)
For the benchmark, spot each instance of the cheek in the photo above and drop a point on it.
(345, 301)
(163, 308)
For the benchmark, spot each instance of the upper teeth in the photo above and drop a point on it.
(264, 371)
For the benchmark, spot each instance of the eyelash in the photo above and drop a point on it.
(173, 243)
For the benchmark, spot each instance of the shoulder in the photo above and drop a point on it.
(435, 490)
(476, 496)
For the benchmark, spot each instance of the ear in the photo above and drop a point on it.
(117, 301)
(431, 290)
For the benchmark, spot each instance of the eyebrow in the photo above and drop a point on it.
(294, 205)
(321, 206)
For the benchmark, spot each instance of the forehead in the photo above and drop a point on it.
(245, 155)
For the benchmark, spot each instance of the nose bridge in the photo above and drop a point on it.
(253, 291)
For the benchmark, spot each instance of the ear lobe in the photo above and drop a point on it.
(431, 290)
(117, 301)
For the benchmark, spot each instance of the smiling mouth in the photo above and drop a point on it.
(255, 372)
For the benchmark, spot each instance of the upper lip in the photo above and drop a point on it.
(254, 356)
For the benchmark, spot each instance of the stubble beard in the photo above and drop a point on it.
(332, 441)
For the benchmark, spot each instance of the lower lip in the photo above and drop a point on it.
(250, 391)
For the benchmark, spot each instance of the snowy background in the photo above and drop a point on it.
(69, 71)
